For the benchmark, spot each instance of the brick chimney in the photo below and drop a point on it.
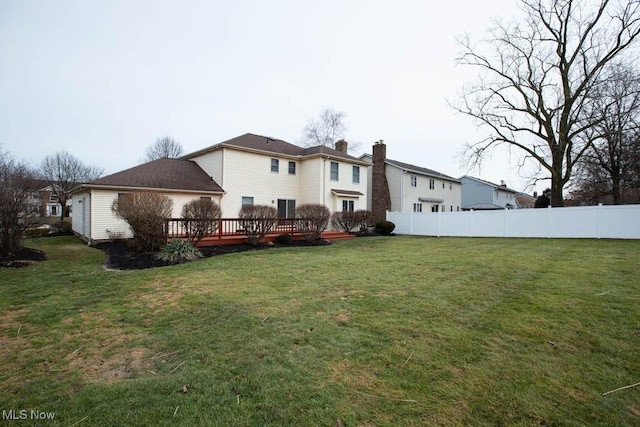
(380, 196)
(341, 145)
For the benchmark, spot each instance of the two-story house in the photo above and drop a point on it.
(478, 194)
(410, 188)
(255, 169)
(246, 170)
(44, 201)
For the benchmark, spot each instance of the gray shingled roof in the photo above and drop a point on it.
(491, 184)
(267, 144)
(418, 169)
(168, 174)
(411, 168)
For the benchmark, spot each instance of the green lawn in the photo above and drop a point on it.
(373, 331)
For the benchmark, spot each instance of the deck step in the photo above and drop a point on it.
(332, 236)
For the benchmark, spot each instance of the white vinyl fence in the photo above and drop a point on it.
(606, 222)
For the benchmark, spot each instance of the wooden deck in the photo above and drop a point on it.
(230, 231)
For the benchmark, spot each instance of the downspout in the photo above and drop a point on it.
(324, 181)
(402, 190)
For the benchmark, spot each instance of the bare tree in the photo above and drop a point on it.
(537, 77)
(64, 171)
(609, 173)
(164, 148)
(613, 140)
(17, 183)
(326, 130)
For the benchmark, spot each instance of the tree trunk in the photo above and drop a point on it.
(557, 200)
(615, 189)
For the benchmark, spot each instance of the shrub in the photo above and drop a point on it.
(178, 251)
(62, 226)
(385, 227)
(363, 218)
(312, 220)
(202, 218)
(284, 239)
(257, 221)
(36, 232)
(16, 184)
(345, 221)
(145, 212)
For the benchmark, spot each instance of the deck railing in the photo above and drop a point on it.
(224, 227)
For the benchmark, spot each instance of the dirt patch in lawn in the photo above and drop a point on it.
(121, 256)
(121, 364)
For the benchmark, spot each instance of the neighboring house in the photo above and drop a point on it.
(180, 180)
(410, 188)
(478, 194)
(526, 201)
(246, 170)
(44, 202)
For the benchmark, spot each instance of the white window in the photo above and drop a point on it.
(432, 184)
(414, 181)
(356, 175)
(434, 208)
(417, 207)
(443, 185)
(334, 171)
(292, 168)
(247, 201)
(450, 186)
(275, 165)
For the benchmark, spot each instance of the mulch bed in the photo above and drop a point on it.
(121, 256)
(22, 258)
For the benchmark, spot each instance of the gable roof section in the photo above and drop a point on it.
(491, 184)
(418, 169)
(164, 174)
(411, 168)
(270, 146)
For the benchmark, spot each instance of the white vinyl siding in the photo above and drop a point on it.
(104, 223)
(249, 174)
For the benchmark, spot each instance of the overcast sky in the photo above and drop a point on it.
(105, 79)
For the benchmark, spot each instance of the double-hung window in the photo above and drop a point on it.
(275, 165)
(417, 207)
(292, 168)
(414, 181)
(334, 171)
(432, 184)
(247, 201)
(356, 175)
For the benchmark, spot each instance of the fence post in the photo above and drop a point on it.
(599, 219)
(411, 222)
(439, 222)
(548, 232)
